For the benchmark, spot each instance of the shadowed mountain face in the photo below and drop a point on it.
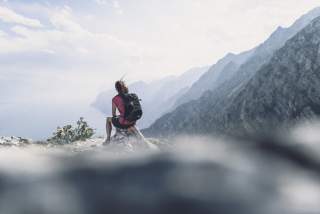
(157, 97)
(284, 90)
(232, 70)
(215, 76)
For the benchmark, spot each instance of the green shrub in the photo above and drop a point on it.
(68, 134)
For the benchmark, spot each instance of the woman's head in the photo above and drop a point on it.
(121, 87)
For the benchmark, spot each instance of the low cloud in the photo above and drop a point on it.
(101, 2)
(65, 37)
(9, 16)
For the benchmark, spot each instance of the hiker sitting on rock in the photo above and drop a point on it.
(128, 105)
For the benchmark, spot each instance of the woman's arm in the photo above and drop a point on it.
(114, 110)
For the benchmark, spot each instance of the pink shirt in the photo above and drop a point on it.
(118, 102)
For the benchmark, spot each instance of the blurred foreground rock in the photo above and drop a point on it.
(196, 175)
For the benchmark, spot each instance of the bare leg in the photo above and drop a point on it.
(108, 128)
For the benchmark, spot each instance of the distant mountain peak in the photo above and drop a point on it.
(230, 54)
(280, 28)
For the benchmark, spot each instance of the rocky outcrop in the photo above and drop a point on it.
(14, 141)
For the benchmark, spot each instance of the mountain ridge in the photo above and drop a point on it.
(245, 108)
(248, 61)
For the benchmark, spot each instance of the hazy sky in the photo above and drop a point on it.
(65, 52)
(82, 45)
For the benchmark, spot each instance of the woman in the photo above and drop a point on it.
(119, 121)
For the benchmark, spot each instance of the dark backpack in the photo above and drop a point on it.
(133, 109)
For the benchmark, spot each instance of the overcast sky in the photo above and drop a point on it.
(67, 51)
